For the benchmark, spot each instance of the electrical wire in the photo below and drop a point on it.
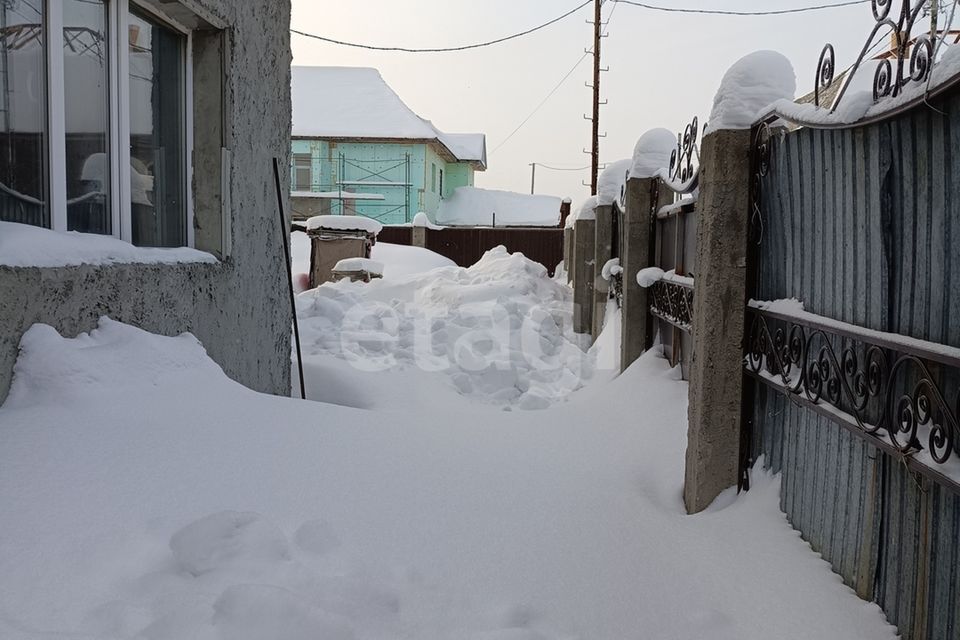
(723, 12)
(546, 166)
(444, 49)
(556, 87)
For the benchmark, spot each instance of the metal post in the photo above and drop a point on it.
(533, 176)
(285, 241)
(406, 191)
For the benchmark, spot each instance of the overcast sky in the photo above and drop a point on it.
(664, 68)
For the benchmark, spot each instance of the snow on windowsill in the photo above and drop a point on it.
(23, 245)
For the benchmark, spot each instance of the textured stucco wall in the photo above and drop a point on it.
(238, 308)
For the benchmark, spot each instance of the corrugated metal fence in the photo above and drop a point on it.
(863, 226)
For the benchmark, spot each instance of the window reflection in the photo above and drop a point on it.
(23, 110)
(157, 138)
(87, 115)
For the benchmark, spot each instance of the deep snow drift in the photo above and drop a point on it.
(499, 332)
(147, 496)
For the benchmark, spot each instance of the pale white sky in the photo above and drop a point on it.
(664, 68)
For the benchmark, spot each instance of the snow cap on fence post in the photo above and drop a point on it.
(612, 181)
(752, 84)
(652, 153)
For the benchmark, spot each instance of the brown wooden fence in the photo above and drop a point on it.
(466, 245)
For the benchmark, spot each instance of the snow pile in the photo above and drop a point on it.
(470, 206)
(344, 223)
(357, 265)
(186, 506)
(398, 260)
(612, 181)
(499, 332)
(423, 220)
(611, 269)
(749, 87)
(23, 245)
(651, 155)
(650, 276)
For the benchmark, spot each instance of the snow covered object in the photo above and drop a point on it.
(749, 87)
(612, 181)
(651, 155)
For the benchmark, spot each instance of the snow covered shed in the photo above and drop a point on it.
(352, 134)
(183, 241)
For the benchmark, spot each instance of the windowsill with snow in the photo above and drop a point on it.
(23, 245)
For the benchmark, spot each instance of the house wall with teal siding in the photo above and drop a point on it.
(382, 168)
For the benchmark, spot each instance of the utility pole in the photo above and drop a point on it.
(533, 176)
(595, 153)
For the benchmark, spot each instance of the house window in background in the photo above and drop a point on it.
(94, 118)
(302, 180)
(157, 134)
(441, 183)
(23, 114)
(433, 177)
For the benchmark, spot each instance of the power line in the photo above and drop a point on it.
(721, 12)
(549, 95)
(546, 166)
(542, 102)
(444, 49)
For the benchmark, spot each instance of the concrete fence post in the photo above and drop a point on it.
(603, 251)
(418, 236)
(635, 255)
(584, 263)
(568, 244)
(716, 371)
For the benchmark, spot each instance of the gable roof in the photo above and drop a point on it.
(356, 103)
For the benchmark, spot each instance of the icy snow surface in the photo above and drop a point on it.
(749, 87)
(345, 223)
(469, 206)
(23, 245)
(147, 496)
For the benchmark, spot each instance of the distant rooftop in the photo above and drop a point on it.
(356, 103)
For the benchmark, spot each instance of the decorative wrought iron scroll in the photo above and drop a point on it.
(760, 167)
(673, 303)
(913, 57)
(890, 392)
(685, 159)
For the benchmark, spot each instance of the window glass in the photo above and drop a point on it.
(157, 138)
(433, 177)
(301, 167)
(23, 114)
(87, 115)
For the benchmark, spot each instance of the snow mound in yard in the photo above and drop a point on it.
(751, 85)
(499, 331)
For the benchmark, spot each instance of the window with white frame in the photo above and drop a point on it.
(94, 119)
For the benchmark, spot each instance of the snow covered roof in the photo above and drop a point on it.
(356, 103)
(470, 206)
(344, 223)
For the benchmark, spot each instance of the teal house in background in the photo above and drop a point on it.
(359, 150)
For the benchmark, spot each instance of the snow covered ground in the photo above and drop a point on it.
(147, 496)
